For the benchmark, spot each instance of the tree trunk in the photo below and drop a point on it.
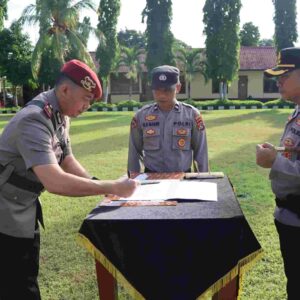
(225, 90)
(221, 91)
(189, 90)
(130, 88)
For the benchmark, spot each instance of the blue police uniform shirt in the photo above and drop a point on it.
(167, 142)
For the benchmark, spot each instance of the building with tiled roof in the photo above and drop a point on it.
(249, 84)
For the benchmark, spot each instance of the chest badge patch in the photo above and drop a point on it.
(150, 131)
(181, 131)
(181, 143)
(289, 142)
(151, 117)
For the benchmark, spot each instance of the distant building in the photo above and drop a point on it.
(250, 83)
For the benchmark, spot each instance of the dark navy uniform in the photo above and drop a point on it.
(167, 141)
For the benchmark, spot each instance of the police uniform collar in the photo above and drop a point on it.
(52, 99)
(177, 106)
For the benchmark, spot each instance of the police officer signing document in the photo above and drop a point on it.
(36, 154)
(168, 135)
(285, 169)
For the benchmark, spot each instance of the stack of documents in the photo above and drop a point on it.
(159, 190)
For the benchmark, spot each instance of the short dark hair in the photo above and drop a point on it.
(63, 78)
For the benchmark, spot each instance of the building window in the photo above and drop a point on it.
(270, 85)
(120, 85)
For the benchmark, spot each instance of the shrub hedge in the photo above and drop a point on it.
(207, 104)
(131, 105)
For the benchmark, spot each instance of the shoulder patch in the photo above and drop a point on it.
(199, 122)
(134, 122)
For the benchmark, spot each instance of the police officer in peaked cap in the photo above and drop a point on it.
(36, 155)
(167, 136)
(284, 163)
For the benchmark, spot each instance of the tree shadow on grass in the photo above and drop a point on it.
(274, 118)
(101, 145)
(104, 123)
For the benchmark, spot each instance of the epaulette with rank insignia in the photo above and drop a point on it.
(48, 110)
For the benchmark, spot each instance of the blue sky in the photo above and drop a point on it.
(187, 18)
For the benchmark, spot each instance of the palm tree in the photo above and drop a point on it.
(190, 61)
(130, 57)
(59, 24)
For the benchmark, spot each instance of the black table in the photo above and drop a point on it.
(172, 252)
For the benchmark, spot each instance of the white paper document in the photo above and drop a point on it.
(174, 189)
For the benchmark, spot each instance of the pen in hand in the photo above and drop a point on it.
(148, 182)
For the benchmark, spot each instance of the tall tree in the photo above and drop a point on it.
(3, 13)
(15, 55)
(130, 58)
(266, 42)
(249, 35)
(131, 38)
(221, 19)
(158, 33)
(106, 53)
(190, 61)
(285, 23)
(58, 21)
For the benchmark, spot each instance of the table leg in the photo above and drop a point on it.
(228, 292)
(107, 285)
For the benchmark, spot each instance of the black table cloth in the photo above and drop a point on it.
(173, 252)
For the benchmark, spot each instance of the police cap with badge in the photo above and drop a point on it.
(82, 75)
(165, 77)
(288, 60)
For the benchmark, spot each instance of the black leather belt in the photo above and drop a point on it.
(23, 183)
(292, 202)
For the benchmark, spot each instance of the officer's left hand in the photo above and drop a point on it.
(265, 155)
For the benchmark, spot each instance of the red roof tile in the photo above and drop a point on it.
(257, 58)
(251, 58)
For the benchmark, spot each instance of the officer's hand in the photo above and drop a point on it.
(125, 187)
(265, 155)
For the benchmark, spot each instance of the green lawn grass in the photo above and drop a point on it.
(100, 143)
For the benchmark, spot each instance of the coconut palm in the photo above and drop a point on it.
(190, 61)
(130, 57)
(59, 23)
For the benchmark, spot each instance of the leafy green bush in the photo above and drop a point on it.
(130, 104)
(280, 103)
(225, 103)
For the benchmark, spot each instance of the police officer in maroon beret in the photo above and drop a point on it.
(284, 164)
(36, 155)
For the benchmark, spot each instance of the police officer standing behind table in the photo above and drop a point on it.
(35, 154)
(168, 135)
(285, 169)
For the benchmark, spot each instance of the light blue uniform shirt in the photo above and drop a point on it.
(167, 142)
(285, 172)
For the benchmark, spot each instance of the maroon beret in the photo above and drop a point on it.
(83, 75)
